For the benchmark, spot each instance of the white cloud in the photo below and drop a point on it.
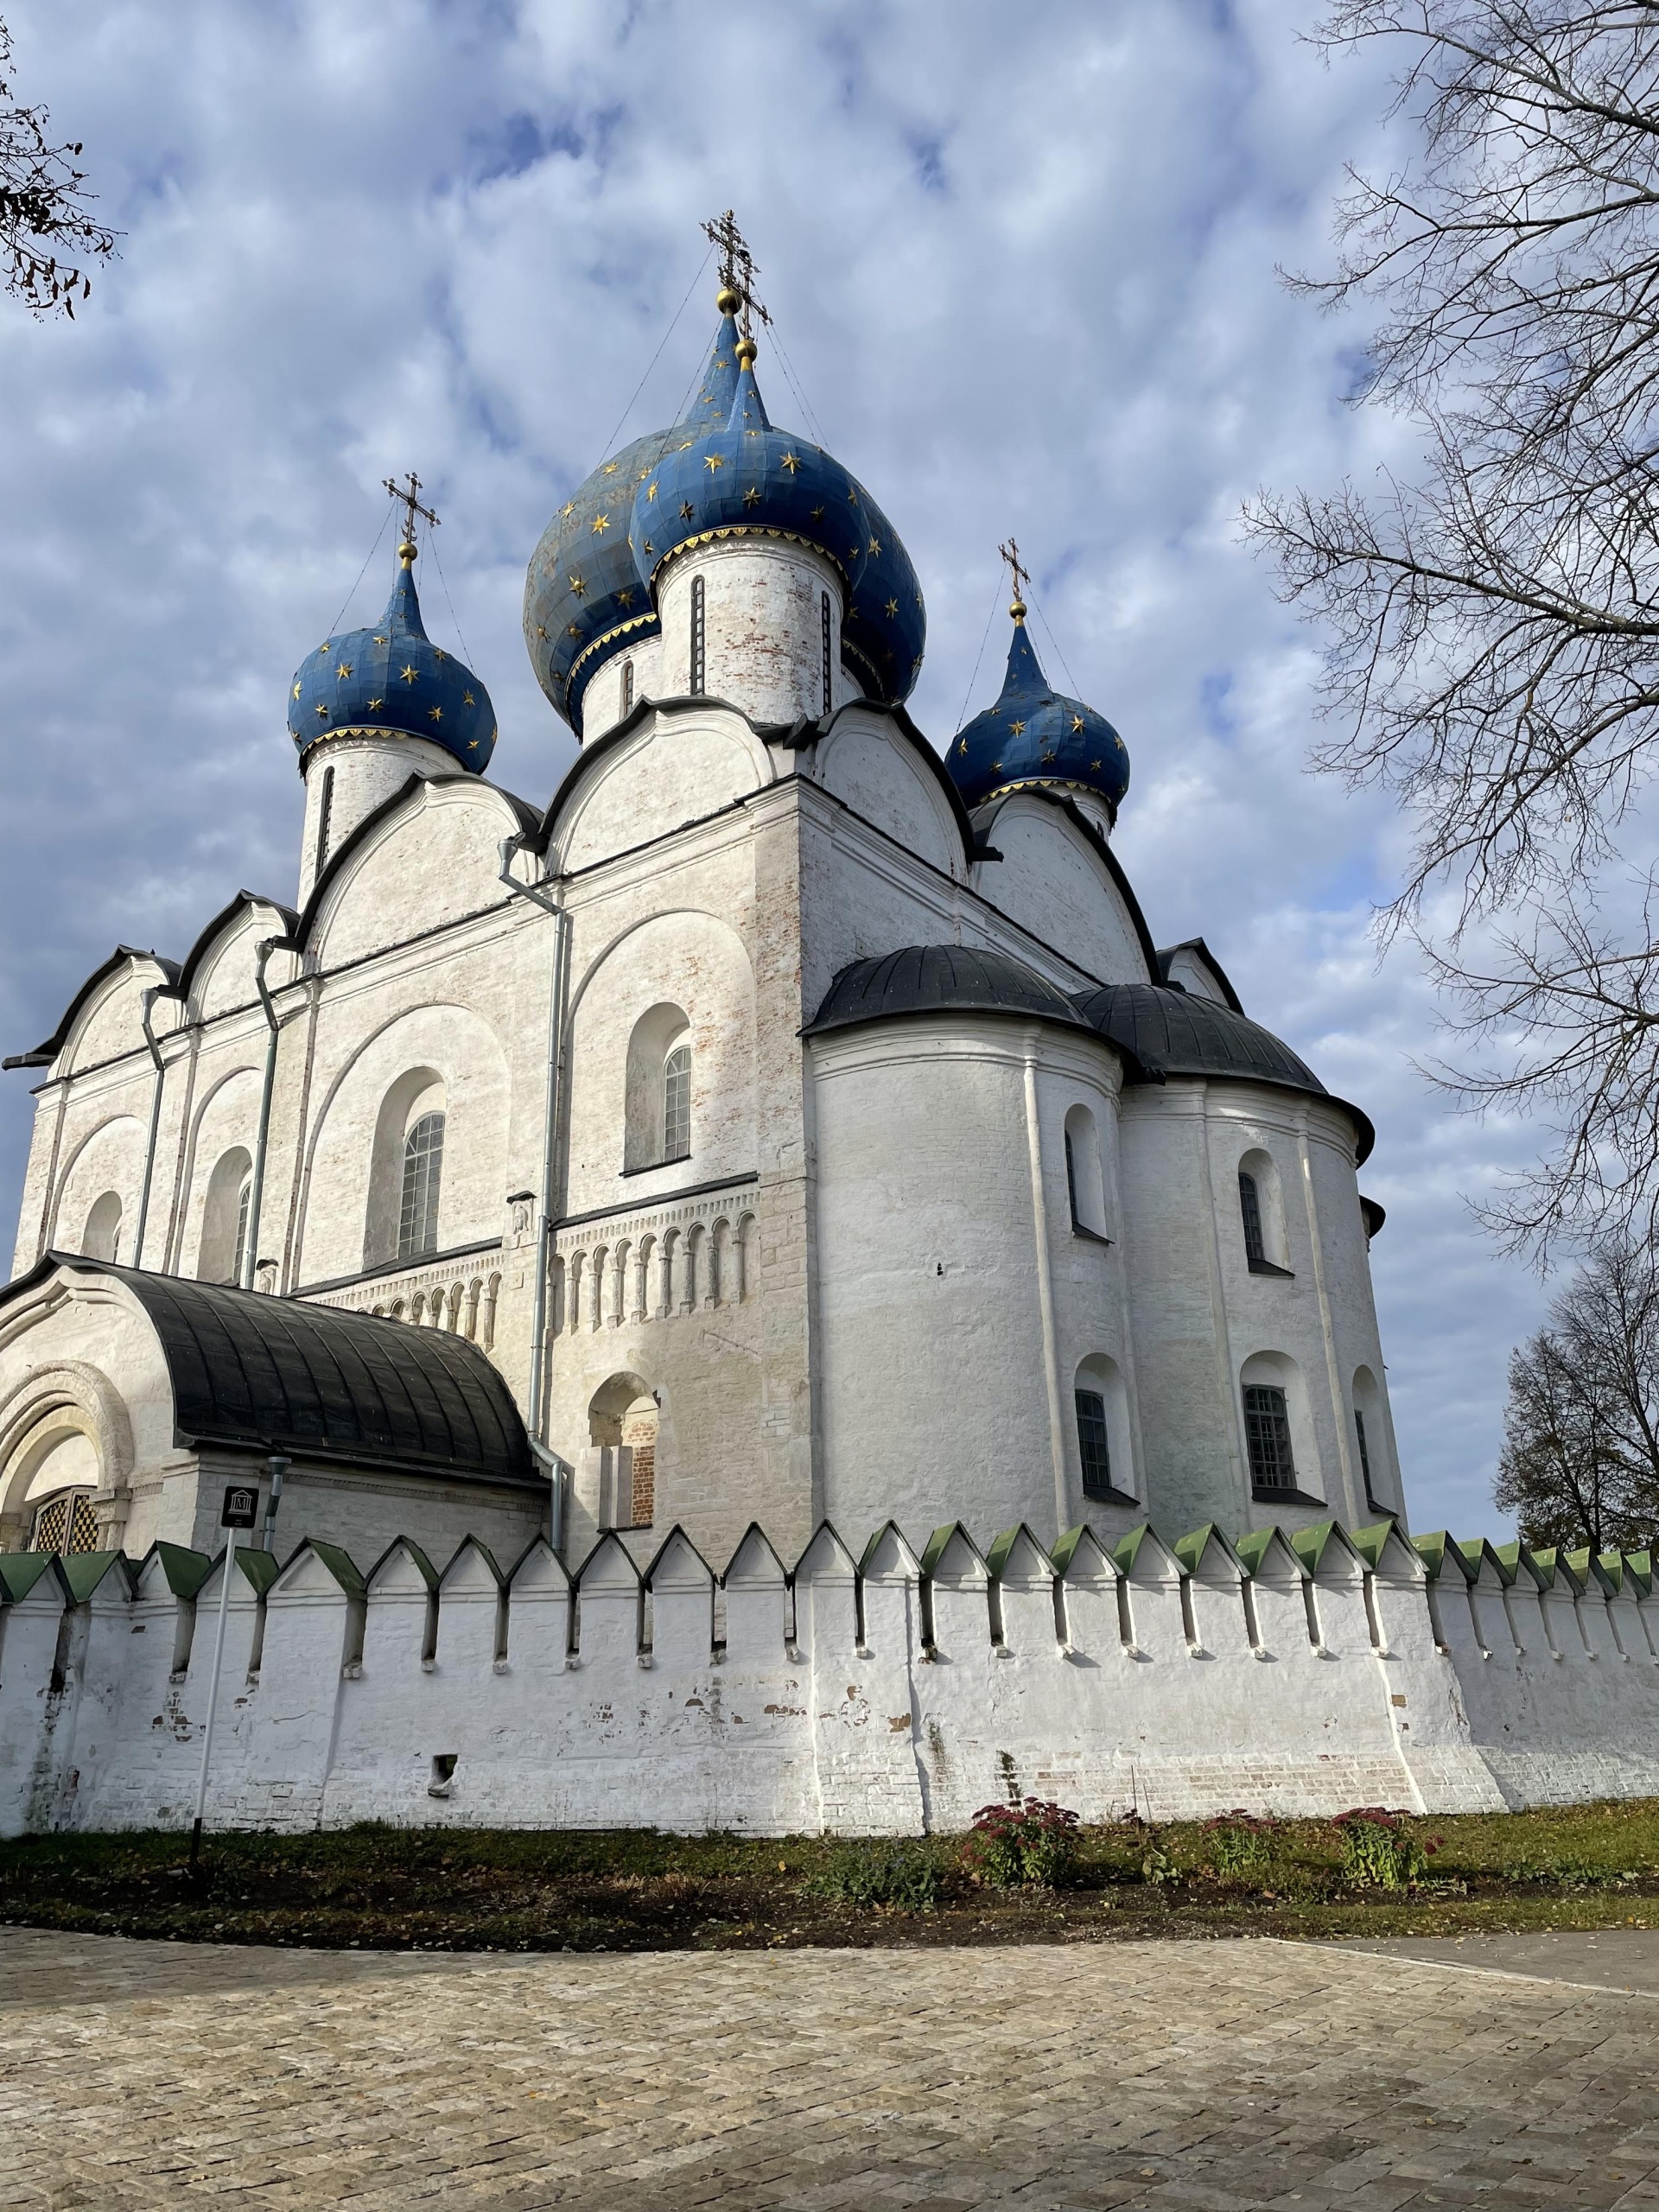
(1026, 274)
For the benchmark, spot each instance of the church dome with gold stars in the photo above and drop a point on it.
(1036, 735)
(392, 679)
(724, 473)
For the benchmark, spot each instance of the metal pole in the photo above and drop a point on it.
(146, 1007)
(256, 1196)
(213, 1692)
(278, 1467)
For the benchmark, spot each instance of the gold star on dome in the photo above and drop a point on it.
(1048, 756)
(626, 599)
(649, 548)
(1077, 724)
(327, 646)
(297, 690)
(996, 767)
(1018, 728)
(876, 545)
(566, 511)
(601, 525)
(472, 744)
(685, 510)
(323, 711)
(752, 498)
(440, 652)
(467, 700)
(892, 607)
(579, 585)
(574, 631)
(408, 675)
(651, 491)
(791, 462)
(435, 714)
(381, 641)
(853, 498)
(712, 461)
(375, 705)
(541, 629)
(686, 444)
(818, 514)
(1094, 764)
(963, 747)
(343, 668)
(609, 470)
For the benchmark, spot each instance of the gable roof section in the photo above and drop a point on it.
(1163, 960)
(47, 1050)
(301, 933)
(985, 817)
(277, 1375)
(184, 982)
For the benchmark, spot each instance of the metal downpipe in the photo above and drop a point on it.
(146, 1007)
(256, 1195)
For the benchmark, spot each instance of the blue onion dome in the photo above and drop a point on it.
(1035, 734)
(744, 478)
(393, 679)
(584, 597)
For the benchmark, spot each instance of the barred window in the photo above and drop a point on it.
(824, 617)
(1249, 1206)
(66, 1523)
(1364, 1458)
(1093, 1449)
(239, 1263)
(417, 1217)
(325, 814)
(697, 636)
(676, 1104)
(627, 686)
(1267, 1436)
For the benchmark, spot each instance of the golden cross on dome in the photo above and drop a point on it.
(1020, 575)
(738, 270)
(408, 496)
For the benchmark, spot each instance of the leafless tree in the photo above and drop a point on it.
(1581, 1462)
(1492, 627)
(46, 236)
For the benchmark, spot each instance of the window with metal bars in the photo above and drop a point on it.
(1093, 1448)
(698, 638)
(676, 1104)
(1267, 1437)
(417, 1216)
(823, 616)
(66, 1523)
(1249, 1206)
(627, 686)
(1364, 1461)
(239, 1263)
(325, 814)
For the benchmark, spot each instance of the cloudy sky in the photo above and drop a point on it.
(1023, 267)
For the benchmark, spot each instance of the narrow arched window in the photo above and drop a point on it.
(238, 1265)
(101, 1238)
(1250, 1207)
(676, 1104)
(824, 617)
(1267, 1436)
(325, 812)
(697, 636)
(1093, 1450)
(627, 686)
(1364, 1460)
(417, 1217)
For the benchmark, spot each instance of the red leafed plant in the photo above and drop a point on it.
(1034, 1842)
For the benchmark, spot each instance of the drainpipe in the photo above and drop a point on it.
(276, 1467)
(147, 1007)
(559, 1470)
(251, 1254)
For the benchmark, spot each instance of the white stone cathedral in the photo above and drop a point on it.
(786, 1121)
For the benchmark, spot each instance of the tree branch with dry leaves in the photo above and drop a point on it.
(46, 236)
(1492, 627)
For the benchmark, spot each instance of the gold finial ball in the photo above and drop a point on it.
(727, 299)
(1017, 608)
(745, 349)
(407, 551)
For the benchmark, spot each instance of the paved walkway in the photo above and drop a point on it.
(1192, 2074)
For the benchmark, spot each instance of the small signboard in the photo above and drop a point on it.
(241, 1507)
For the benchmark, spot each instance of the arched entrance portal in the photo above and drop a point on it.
(623, 1422)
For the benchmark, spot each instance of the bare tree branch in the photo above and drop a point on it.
(46, 236)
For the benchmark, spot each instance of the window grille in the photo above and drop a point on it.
(1267, 1436)
(325, 813)
(65, 1523)
(676, 1104)
(697, 637)
(1093, 1449)
(1249, 1205)
(417, 1217)
(1364, 1458)
(823, 616)
(1071, 1178)
(242, 1205)
(627, 686)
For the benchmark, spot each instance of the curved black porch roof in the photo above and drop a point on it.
(937, 979)
(278, 1375)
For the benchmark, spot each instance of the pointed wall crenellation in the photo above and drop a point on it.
(880, 1690)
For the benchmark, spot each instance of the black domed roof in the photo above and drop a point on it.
(1171, 1032)
(929, 978)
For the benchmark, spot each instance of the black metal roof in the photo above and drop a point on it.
(278, 1375)
(930, 978)
(1166, 1031)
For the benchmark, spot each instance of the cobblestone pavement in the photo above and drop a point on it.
(1193, 2074)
